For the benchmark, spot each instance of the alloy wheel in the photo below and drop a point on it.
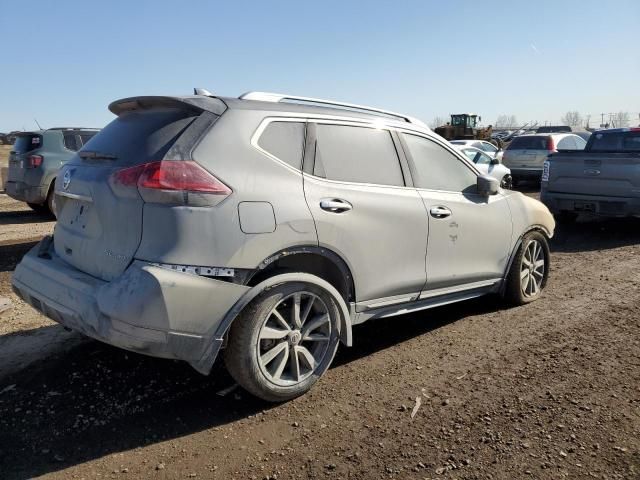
(532, 269)
(294, 338)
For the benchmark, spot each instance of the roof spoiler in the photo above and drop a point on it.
(196, 103)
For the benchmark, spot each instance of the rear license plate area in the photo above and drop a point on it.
(584, 207)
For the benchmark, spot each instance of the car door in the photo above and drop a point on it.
(354, 184)
(469, 234)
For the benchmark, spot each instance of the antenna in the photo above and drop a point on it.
(202, 91)
(39, 126)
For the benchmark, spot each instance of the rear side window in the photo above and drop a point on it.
(285, 141)
(436, 168)
(615, 142)
(356, 154)
(567, 143)
(70, 142)
(85, 137)
(529, 142)
(27, 143)
(142, 136)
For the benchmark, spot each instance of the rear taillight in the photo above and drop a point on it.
(550, 145)
(35, 161)
(170, 176)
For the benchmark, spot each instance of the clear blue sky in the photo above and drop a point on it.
(64, 61)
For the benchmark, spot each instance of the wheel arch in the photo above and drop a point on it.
(532, 228)
(319, 261)
(278, 279)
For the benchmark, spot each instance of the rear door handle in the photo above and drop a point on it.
(440, 212)
(335, 205)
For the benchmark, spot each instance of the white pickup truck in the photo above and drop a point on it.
(603, 179)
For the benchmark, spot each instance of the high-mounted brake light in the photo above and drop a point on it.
(35, 161)
(171, 175)
(550, 145)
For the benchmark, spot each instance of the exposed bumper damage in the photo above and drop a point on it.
(148, 309)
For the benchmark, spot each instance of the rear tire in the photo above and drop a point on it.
(507, 182)
(51, 202)
(529, 270)
(277, 354)
(38, 207)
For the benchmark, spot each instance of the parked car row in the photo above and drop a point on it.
(266, 227)
(36, 158)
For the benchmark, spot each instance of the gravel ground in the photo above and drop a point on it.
(549, 390)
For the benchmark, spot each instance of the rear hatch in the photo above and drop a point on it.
(527, 151)
(610, 168)
(26, 145)
(99, 223)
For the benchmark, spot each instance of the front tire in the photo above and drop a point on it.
(529, 270)
(283, 341)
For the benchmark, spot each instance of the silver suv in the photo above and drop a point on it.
(269, 225)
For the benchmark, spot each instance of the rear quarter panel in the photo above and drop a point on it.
(214, 236)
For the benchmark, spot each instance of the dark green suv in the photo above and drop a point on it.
(35, 160)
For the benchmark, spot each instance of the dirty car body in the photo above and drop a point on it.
(187, 220)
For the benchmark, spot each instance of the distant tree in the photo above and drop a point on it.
(572, 119)
(621, 119)
(506, 121)
(437, 121)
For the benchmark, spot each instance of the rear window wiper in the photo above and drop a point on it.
(88, 154)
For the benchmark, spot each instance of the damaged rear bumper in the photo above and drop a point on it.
(148, 309)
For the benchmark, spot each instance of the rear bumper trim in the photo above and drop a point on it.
(26, 193)
(147, 309)
(603, 205)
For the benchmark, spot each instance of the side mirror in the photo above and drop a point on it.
(487, 185)
(494, 161)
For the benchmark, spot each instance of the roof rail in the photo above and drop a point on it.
(72, 128)
(279, 97)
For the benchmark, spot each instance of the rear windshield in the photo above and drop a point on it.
(140, 136)
(552, 129)
(529, 142)
(615, 142)
(27, 143)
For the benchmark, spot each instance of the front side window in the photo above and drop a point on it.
(356, 154)
(285, 141)
(482, 159)
(487, 147)
(436, 168)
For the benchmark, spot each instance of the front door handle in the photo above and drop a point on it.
(335, 205)
(440, 212)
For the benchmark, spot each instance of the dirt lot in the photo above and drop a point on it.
(550, 390)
